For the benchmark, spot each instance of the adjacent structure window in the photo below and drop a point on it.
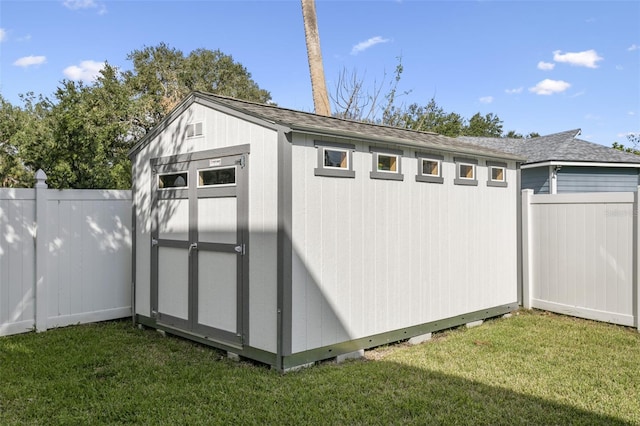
(386, 164)
(466, 171)
(217, 177)
(334, 160)
(497, 174)
(429, 168)
(194, 129)
(173, 180)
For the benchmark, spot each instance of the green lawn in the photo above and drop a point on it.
(533, 368)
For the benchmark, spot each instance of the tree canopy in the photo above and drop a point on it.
(82, 135)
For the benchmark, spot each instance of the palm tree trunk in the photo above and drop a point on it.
(318, 85)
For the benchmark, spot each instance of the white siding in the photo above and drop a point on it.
(372, 256)
(221, 130)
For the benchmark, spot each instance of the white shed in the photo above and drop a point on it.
(288, 237)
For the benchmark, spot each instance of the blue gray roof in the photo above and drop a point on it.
(560, 147)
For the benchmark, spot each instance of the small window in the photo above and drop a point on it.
(194, 129)
(429, 168)
(217, 177)
(466, 171)
(386, 164)
(173, 180)
(497, 174)
(334, 159)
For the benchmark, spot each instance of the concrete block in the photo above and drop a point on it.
(233, 356)
(416, 340)
(351, 355)
(162, 333)
(298, 367)
(474, 323)
(507, 315)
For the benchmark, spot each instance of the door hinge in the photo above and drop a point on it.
(240, 249)
(241, 161)
(154, 242)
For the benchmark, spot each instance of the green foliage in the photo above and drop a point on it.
(634, 142)
(82, 136)
(531, 369)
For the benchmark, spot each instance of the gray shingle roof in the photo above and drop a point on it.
(561, 146)
(309, 122)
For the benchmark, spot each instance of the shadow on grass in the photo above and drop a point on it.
(113, 374)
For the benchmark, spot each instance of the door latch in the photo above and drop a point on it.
(193, 246)
(239, 249)
(154, 242)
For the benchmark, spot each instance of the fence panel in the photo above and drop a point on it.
(17, 260)
(581, 254)
(65, 257)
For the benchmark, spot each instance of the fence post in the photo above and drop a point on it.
(41, 296)
(527, 282)
(636, 253)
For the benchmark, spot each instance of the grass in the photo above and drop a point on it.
(534, 368)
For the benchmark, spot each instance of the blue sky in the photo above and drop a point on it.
(541, 66)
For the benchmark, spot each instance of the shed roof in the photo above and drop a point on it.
(306, 122)
(561, 147)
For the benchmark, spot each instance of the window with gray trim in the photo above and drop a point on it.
(334, 159)
(497, 174)
(466, 171)
(429, 168)
(177, 180)
(386, 164)
(194, 129)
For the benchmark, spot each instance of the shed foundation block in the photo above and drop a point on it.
(416, 340)
(351, 355)
(474, 323)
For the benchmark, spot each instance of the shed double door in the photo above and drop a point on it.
(199, 245)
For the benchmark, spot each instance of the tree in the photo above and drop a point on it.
(81, 138)
(314, 54)
(162, 76)
(488, 126)
(634, 144)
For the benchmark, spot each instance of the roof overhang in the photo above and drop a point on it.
(579, 164)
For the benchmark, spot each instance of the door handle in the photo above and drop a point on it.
(193, 246)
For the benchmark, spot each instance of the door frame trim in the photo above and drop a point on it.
(242, 199)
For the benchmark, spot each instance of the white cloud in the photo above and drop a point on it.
(619, 68)
(28, 61)
(486, 99)
(3, 35)
(631, 113)
(546, 66)
(514, 91)
(364, 45)
(588, 58)
(633, 47)
(549, 87)
(87, 71)
(85, 4)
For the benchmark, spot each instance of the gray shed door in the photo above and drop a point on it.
(198, 245)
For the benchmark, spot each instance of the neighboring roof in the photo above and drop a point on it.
(305, 122)
(558, 147)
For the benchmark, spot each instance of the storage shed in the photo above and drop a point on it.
(561, 163)
(288, 237)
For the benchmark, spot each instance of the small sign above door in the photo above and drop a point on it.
(215, 162)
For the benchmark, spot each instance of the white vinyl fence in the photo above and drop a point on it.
(65, 257)
(581, 255)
